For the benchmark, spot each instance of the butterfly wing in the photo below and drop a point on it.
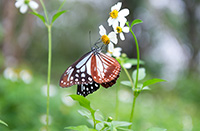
(104, 68)
(79, 72)
(85, 89)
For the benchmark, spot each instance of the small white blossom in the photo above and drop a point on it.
(116, 52)
(117, 15)
(107, 39)
(24, 4)
(120, 29)
(127, 65)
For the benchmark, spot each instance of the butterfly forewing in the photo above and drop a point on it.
(78, 73)
(85, 89)
(104, 68)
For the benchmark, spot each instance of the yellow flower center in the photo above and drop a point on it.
(114, 14)
(105, 39)
(26, 1)
(119, 29)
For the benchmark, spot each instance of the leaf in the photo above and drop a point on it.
(124, 129)
(146, 88)
(127, 23)
(80, 128)
(57, 15)
(39, 16)
(134, 61)
(156, 129)
(2, 122)
(85, 113)
(141, 74)
(83, 102)
(153, 81)
(136, 21)
(126, 83)
(121, 123)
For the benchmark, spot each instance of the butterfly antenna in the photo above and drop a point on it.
(90, 39)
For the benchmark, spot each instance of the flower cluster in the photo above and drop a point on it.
(117, 20)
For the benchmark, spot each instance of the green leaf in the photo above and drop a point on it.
(127, 23)
(80, 128)
(85, 113)
(141, 74)
(136, 21)
(2, 122)
(57, 15)
(156, 129)
(121, 123)
(153, 81)
(126, 83)
(146, 88)
(134, 61)
(83, 102)
(39, 16)
(124, 129)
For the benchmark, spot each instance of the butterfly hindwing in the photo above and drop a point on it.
(104, 68)
(78, 73)
(85, 89)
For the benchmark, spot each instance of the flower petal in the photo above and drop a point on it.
(118, 49)
(116, 53)
(127, 65)
(110, 21)
(117, 6)
(108, 54)
(110, 48)
(113, 37)
(121, 36)
(102, 30)
(19, 3)
(124, 12)
(115, 23)
(33, 4)
(122, 20)
(23, 8)
(125, 29)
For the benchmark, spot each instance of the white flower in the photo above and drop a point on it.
(127, 65)
(120, 29)
(116, 52)
(25, 76)
(107, 39)
(117, 16)
(23, 5)
(10, 73)
(52, 90)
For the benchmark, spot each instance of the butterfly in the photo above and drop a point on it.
(90, 71)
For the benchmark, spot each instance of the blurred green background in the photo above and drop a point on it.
(169, 44)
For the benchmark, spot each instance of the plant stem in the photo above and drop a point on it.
(129, 77)
(117, 101)
(138, 57)
(49, 76)
(45, 11)
(94, 120)
(132, 111)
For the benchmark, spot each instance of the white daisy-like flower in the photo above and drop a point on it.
(120, 29)
(117, 15)
(107, 39)
(116, 52)
(24, 4)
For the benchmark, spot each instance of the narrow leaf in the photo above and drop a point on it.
(39, 16)
(141, 74)
(85, 113)
(134, 61)
(82, 101)
(153, 81)
(80, 128)
(121, 123)
(126, 83)
(136, 21)
(146, 88)
(57, 15)
(2, 122)
(156, 129)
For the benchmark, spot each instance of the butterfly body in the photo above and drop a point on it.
(91, 70)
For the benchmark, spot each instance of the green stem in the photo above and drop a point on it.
(132, 111)
(61, 5)
(49, 75)
(129, 77)
(138, 57)
(45, 11)
(117, 101)
(94, 120)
